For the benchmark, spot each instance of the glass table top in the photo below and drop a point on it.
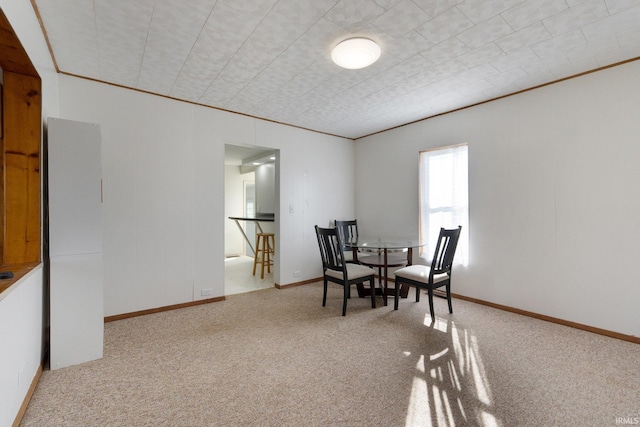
(363, 242)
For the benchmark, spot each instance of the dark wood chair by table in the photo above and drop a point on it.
(348, 230)
(336, 270)
(434, 276)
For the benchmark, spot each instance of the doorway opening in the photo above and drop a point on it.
(251, 206)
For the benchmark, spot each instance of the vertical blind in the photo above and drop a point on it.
(444, 197)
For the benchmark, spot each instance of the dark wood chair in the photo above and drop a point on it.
(434, 276)
(336, 270)
(348, 230)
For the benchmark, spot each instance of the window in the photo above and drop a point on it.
(444, 197)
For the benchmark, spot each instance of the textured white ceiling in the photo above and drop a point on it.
(271, 58)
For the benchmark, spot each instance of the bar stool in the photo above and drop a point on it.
(265, 248)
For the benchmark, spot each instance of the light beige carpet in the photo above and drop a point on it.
(278, 358)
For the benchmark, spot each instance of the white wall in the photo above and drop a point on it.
(163, 170)
(20, 342)
(21, 318)
(554, 201)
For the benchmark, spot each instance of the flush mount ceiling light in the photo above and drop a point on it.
(355, 53)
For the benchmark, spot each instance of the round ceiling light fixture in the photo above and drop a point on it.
(355, 53)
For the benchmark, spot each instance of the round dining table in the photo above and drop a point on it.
(383, 253)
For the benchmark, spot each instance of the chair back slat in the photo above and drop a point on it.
(445, 250)
(330, 245)
(348, 230)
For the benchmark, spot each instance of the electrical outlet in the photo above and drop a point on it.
(296, 274)
(206, 292)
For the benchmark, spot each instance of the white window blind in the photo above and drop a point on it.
(444, 198)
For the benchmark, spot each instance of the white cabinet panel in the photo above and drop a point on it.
(75, 242)
(77, 313)
(75, 205)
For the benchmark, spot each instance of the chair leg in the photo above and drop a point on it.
(417, 294)
(265, 255)
(372, 285)
(256, 254)
(324, 295)
(272, 251)
(449, 297)
(430, 292)
(271, 245)
(344, 300)
(396, 296)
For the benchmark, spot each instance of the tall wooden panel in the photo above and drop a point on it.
(21, 151)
